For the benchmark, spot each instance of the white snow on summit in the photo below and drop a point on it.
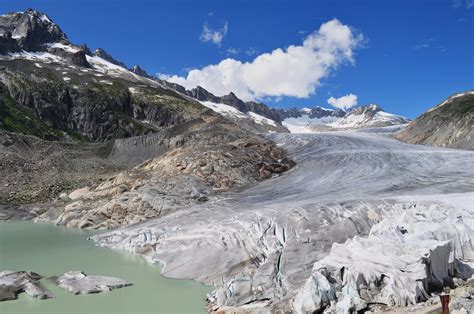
(67, 48)
(304, 123)
(225, 110)
(261, 119)
(235, 114)
(353, 119)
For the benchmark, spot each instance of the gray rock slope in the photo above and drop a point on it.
(28, 31)
(258, 246)
(58, 91)
(449, 124)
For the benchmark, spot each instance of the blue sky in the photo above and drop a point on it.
(412, 56)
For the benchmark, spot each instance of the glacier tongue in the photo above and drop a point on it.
(360, 219)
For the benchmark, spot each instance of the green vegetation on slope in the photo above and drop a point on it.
(17, 118)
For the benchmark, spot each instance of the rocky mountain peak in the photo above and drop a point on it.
(369, 109)
(101, 53)
(29, 30)
(139, 71)
(202, 94)
(313, 113)
(319, 112)
(231, 95)
(234, 101)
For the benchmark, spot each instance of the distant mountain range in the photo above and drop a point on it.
(308, 120)
(293, 120)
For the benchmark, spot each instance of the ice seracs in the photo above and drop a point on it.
(406, 257)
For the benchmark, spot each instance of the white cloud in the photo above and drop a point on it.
(251, 51)
(295, 71)
(215, 36)
(233, 51)
(344, 102)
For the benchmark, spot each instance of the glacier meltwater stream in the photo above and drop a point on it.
(50, 250)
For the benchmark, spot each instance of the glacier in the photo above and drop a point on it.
(362, 219)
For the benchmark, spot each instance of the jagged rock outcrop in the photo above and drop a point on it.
(231, 99)
(139, 71)
(313, 113)
(30, 29)
(101, 53)
(76, 55)
(449, 124)
(7, 43)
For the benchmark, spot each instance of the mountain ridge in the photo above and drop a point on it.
(448, 124)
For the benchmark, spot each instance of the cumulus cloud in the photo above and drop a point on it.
(215, 36)
(344, 102)
(295, 71)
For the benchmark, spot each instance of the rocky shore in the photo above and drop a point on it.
(13, 283)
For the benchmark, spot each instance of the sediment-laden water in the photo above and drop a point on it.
(50, 250)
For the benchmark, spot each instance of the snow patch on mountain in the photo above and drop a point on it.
(223, 109)
(45, 57)
(261, 119)
(236, 115)
(304, 123)
(310, 121)
(68, 48)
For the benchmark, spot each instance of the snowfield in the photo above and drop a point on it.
(353, 119)
(235, 114)
(361, 219)
(304, 123)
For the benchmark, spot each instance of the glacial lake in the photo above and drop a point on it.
(50, 250)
